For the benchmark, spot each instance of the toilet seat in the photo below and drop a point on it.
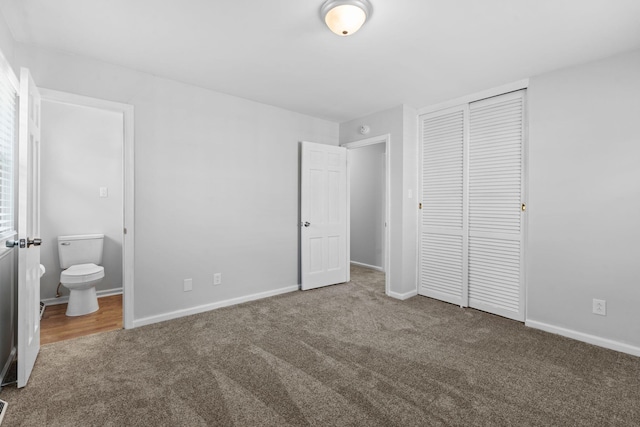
(82, 273)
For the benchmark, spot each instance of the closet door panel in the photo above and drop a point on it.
(443, 230)
(496, 170)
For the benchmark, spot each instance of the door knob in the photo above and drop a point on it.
(35, 242)
(307, 223)
(13, 243)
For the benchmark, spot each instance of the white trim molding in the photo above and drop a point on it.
(500, 90)
(4, 251)
(584, 337)
(65, 299)
(371, 267)
(86, 101)
(127, 111)
(367, 141)
(404, 296)
(211, 306)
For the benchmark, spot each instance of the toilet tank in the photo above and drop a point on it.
(80, 249)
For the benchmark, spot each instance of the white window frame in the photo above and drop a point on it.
(7, 75)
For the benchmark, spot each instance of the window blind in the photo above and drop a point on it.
(8, 96)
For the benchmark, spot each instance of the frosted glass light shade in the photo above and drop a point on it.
(345, 17)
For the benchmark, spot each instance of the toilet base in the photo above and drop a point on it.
(82, 301)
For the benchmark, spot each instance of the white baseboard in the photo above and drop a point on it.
(372, 267)
(404, 296)
(588, 338)
(212, 306)
(65, 299)
(7, 364)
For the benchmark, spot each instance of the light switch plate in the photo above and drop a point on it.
(104, 191)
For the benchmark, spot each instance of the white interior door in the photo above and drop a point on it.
(443, 225)
(496, 194)
(28, 227)
(324, 258)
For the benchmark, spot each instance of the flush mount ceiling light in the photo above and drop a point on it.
(345, 17)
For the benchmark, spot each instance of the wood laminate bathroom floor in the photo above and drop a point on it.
(56, 326)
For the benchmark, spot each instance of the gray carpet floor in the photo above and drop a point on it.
(341, 355)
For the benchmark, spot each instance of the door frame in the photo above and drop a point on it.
(380, 139)
(128, 213)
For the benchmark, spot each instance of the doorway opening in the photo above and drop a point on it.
(87, 189)
(368, 204)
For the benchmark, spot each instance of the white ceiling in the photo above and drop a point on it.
(417, 52)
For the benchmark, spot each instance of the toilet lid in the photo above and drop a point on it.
(81, 273)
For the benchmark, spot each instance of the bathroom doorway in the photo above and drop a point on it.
(86, 188)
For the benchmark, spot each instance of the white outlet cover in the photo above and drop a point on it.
(600, 307)
(104, 191)
(188, 285)
(217, 279)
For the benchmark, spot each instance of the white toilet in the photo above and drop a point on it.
(81, 256)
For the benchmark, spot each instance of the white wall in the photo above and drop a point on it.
(410, 200)
(216, 182)
(367, 169)
(81, 151)
(401, 124)
(584, 202)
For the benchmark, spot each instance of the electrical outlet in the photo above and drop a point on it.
(104, 191)
(600, 307)
(217, 279)
(188, 285)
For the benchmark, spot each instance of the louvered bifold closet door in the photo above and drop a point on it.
(496, 166)
(443, 231)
